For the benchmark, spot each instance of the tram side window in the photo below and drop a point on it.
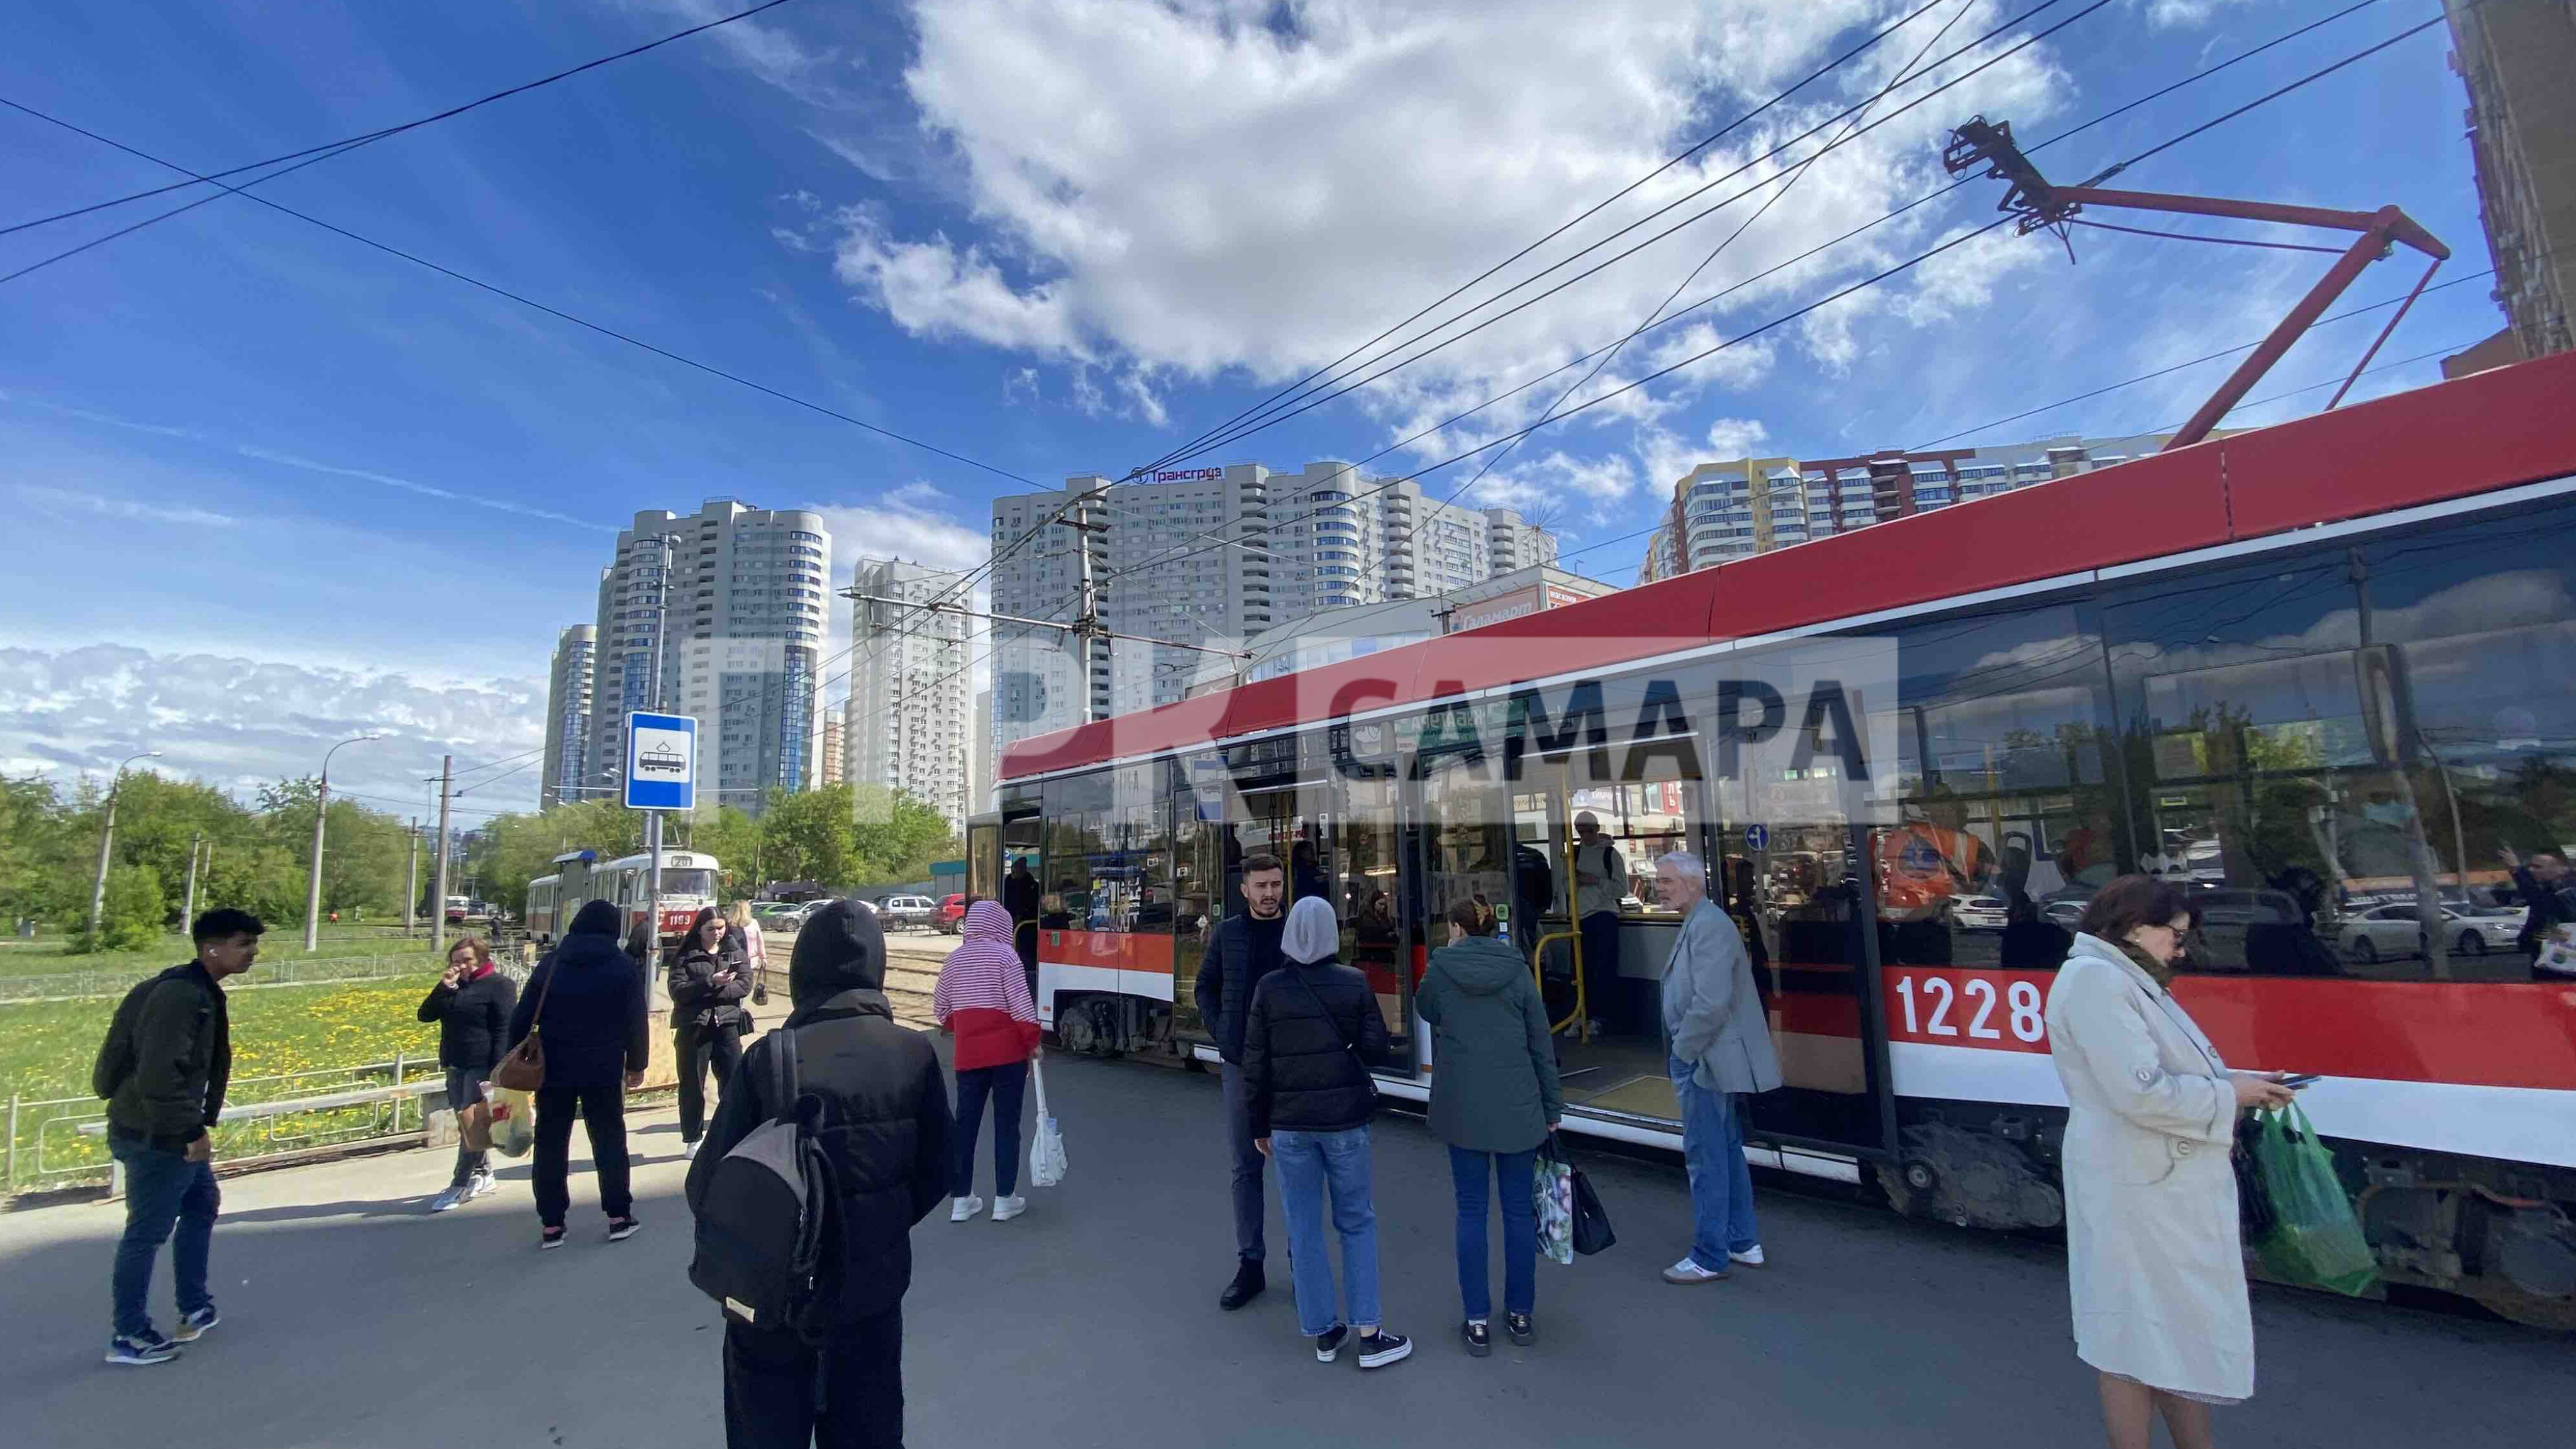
(1109, 853)
(2316, 739)
(1198, 891)
(1076, 806)
(2002, 823)
(2477, 619)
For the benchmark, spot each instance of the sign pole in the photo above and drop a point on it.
(653, 894)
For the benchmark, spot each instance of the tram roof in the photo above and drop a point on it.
(2493, 430)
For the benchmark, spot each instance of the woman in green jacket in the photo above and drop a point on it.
(1494, 1099)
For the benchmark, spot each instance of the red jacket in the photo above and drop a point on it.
(983, 994)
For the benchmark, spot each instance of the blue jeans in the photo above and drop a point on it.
(1309, 1164)
(163, 1190)
(1721, 1186)
(1514, 1174)
(1003, 1086)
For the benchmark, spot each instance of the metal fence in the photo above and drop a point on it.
(47, 1148)
(117, 980)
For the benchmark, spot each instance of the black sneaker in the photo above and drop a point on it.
(1523, 1331)
(620, 1229)
(1329, 1346)
(141, 1348)
(1247, 1285)
(1480, 1338)
(1377, 1350)
(550, 1238)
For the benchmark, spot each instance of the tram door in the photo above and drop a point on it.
(1337, 839)
(1793, 867)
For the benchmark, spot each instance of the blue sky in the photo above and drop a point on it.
(280, 487)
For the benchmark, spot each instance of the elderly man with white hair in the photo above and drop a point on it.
(1720, 1045)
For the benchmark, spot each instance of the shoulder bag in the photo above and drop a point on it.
(1367, 1078)
(524, 1069)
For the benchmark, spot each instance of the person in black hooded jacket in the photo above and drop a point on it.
(587, 1002)
(885, 1125)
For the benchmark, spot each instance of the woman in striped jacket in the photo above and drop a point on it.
(983, 999)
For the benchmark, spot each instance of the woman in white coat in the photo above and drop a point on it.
(2155, 1262)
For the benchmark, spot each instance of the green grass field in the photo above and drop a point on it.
(51, 953)
(46, 1049)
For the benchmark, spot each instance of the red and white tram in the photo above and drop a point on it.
(580, 876)
(2316, 669)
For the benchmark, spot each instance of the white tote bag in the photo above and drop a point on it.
(1046, 1154)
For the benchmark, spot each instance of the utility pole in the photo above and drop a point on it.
(313, 878)
(411, 882)
(438, 910)
(107, 839)
(188, 912)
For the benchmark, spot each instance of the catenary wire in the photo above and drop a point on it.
(351, 143)
(1340, 387)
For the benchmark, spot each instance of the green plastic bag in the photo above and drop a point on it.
(2315, 1241)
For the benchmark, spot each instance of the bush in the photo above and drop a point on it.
(134, 916)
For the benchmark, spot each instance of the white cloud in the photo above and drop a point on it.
(239, 721)
(2173, 14)
(59, 501)
(1736, 437)
(1187, 187)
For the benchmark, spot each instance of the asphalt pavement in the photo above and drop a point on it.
(351, 1319)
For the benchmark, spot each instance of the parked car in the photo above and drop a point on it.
(2397, 930)
(909, 912)
(952, 914)
(1979, 913)
(781, 915)
(2066, 908)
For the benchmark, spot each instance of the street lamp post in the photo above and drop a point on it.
(107, 839)
(313, 881)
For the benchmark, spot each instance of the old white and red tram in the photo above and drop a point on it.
(2325, 672)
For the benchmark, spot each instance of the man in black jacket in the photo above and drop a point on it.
(163, 1069)
(1242, 950)
(885, 1125)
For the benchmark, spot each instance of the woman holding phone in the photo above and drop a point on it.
(708, 982)
(2155, 1258)
(471, 1004)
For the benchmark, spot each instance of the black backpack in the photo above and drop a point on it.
(768, 1221)
(116, 1059)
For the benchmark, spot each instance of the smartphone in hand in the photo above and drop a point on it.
(2300, 1081)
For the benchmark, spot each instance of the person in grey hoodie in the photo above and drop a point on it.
(1494, 1099)
(1720, 1042)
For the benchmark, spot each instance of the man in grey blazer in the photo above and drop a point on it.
(1720, 1045)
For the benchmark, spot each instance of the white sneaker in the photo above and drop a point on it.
(964, 1208)
(484, 1182)
(1689, 1271)
(1750, 1257)
(689, 1152)
(448, 1200)
(1007, 1208)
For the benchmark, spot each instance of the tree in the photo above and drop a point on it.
(132, 918)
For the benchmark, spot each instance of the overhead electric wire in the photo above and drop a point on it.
(527, 301)
(1587, 214)
(2160, 147)
(351, 143)
(1795, 174)
(1310, 401)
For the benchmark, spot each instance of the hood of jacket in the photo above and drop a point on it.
(1482, 965)
(840, 948)
(592, 950)
(989, 918)
(595, 918)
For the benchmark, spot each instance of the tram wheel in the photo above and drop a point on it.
(1077, 1030)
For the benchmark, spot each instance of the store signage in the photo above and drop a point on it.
(1188, 475)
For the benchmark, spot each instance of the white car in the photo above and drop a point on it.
(909, 911)
(1979, 913)
(2397, 931)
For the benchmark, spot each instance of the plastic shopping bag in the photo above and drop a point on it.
(514, 1120)
(1552, 1193)
(1046, 1153)
(2315, 1241)
(2557, 953)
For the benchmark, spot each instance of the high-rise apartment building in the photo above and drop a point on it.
(831, 760)
(906, 725)
(720, 615)
(979, 782)
(1212, 556)
(568, 716)
(1512, 543)
(2516, 57)
(1735, 509)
